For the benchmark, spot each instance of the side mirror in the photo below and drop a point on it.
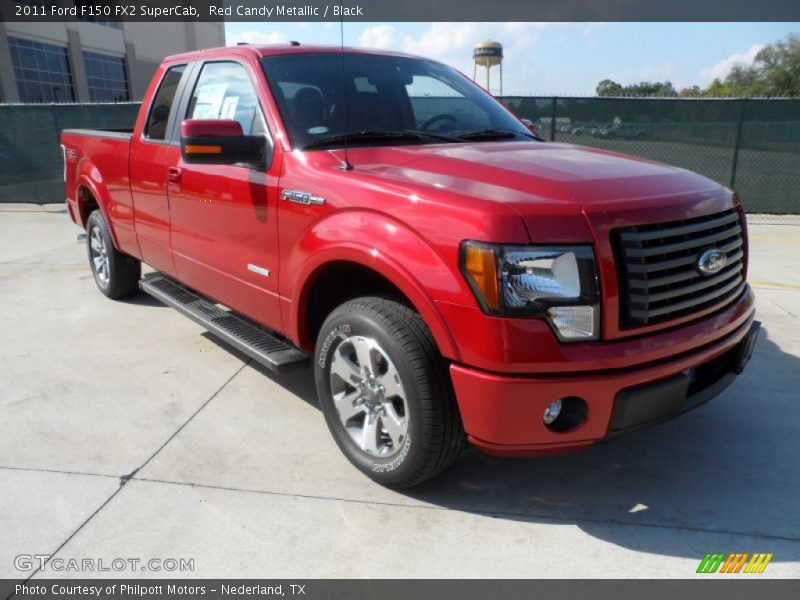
(531, 127)
(220, 142)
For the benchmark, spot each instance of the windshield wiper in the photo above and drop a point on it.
(378, 135)
(436, 136)
(494, 134)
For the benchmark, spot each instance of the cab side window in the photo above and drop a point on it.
(158, 118)
(224, 91)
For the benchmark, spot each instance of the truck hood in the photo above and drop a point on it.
(555, 188)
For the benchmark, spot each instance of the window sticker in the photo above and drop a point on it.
(209, 101)
(318, 129)
(229, 107)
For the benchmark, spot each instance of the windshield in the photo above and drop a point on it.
(414, 100)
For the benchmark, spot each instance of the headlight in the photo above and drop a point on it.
(555, 283)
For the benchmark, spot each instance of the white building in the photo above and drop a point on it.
(82, 61)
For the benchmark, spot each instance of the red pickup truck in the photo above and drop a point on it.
(451, 277)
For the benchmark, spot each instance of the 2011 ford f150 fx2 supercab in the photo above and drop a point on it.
(452, 277)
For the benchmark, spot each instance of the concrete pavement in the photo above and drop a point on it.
(127, 432)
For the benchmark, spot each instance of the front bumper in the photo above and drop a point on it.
(502, 414)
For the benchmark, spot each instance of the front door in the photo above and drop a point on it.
(223, 217)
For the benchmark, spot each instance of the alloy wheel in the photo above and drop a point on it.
(369, 396)
(99, 255)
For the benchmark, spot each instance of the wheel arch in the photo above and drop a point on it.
(91, 194)
(87, 204)
(375, 276)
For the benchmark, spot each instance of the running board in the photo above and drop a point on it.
(257, 343)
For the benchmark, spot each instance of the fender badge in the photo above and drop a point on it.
(301, 197)
(257, 269)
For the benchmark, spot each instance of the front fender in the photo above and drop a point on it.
(383, 244)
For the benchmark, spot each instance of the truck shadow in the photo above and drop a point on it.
(142, 299)
(301, 384)
(729, 467)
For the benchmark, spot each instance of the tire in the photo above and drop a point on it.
(398, 435)
(116, 274)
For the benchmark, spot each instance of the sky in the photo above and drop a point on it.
(567, 59)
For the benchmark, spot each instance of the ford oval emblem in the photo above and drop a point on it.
(711, 261)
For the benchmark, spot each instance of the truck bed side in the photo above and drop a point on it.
(96, 176)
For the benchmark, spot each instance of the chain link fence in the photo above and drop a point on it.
(751, 145)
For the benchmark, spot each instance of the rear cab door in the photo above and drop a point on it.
(153, 142)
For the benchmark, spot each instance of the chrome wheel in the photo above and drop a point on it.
(99, 255)
(369, 396)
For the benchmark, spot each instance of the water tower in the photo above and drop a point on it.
(488, 54)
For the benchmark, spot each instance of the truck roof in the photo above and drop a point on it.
(277, 49)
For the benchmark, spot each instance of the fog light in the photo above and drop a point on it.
(551, 412)
(565, 414)
(574, 322)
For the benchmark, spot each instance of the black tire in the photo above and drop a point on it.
(435, 435)
(118, 276)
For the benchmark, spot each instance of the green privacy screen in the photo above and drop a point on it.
(31, 170)
(753, 145)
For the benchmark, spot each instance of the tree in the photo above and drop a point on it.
(744, 80)
(779, 66)
(717, 89)
(655, 88)
(775, 72)
(607, 87)
(691, 92)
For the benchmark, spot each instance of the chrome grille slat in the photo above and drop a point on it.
(683, 291)
(676, 231)
(637, 285)
(656, 267)
(689, 303)
(690, 244)
(684, 260)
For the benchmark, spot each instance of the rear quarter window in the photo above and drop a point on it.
(158, 118)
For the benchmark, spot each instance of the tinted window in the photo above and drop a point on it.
(162, 105)
(383, 93)
(224, 91)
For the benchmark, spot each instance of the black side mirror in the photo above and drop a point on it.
(220, 142)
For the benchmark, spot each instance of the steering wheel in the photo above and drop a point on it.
(435, 119)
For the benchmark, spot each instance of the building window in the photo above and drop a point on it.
(42, 71)
(106, 76)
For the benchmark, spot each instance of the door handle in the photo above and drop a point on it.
(174, 174)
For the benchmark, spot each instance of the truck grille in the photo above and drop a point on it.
(657, 267)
